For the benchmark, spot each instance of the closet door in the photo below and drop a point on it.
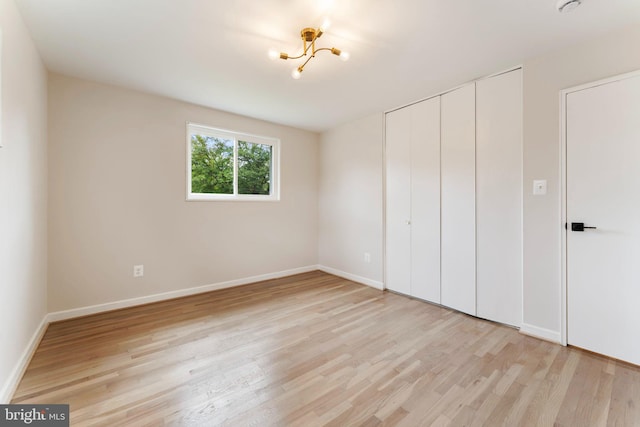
(425, 200)
(458, 244)
(413, 200)
(398, 201)
(499, 198)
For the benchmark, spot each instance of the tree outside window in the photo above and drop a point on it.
(225, 165)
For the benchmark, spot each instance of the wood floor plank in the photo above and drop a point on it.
(314, 350)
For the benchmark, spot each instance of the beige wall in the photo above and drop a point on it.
(350, 198)
(117, 198)
(544, 78)
(23, 194)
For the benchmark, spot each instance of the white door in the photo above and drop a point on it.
(425, 200)
(458, 254)
(413, 200)
(499, 197)
(398, 201)
(603, 191)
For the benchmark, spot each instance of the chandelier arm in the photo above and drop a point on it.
(306, 50)
(300, 68)
(295, 57)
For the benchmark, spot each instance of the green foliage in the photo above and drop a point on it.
(254, 168)
(212, 166)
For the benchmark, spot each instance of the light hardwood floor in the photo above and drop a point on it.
(314, 349)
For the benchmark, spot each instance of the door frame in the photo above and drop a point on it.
(564, 308)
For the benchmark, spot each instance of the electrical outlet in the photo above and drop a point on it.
(367, 258)
(138, 270)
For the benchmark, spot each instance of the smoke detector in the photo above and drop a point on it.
(565, 6)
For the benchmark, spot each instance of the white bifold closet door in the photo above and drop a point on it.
(458, 243)
(398, 201)
(499, 198)
(413, 200)
(425, 201)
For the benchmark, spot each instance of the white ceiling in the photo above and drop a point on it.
(213, 52)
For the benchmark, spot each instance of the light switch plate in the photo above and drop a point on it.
(539, 187)
(138, 270)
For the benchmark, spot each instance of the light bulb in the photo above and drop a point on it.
(273, 54)
(344, 56)
(325, 25)
(296, 73)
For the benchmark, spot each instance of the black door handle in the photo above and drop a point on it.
(579, 226)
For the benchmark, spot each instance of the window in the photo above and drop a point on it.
(225, 165)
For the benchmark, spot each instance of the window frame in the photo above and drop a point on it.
(236, 137)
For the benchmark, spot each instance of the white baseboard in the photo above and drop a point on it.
(10, 385)
(99, 308)
(537, 332)
(352, 277)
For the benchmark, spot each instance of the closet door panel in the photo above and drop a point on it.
(499, 198)
(425, 200)
(458, 244)
(398, 201)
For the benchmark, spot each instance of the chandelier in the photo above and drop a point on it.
(309, 37)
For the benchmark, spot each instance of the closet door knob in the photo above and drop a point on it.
(407, 221)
